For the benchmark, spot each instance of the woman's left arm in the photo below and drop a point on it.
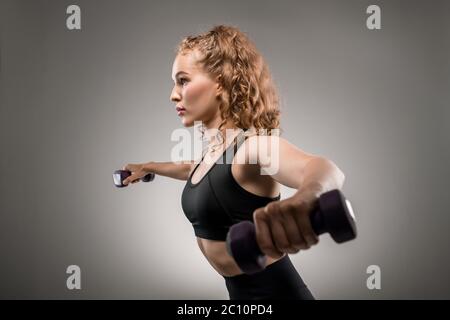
(284, 226)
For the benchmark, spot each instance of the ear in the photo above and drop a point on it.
(219, 88)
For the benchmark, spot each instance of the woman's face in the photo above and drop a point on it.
(194, 91)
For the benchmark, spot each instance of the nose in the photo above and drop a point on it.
(175, 96)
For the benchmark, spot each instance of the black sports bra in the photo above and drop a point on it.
(217, 201)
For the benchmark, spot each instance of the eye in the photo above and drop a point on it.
(182, 81)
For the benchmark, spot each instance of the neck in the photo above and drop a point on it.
(212, 128)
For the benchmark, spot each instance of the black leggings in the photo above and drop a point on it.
(279, 280)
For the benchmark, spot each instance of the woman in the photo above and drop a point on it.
(222, 80)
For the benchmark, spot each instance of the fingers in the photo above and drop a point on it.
(263, 234)
(284, 233)
(304, 225)
(281, 213)
(133, 178)
(297, 221)
(296, 240)
(279, 235)
(284, 226)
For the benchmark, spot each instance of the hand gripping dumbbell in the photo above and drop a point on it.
(330, 213)
(120, 175)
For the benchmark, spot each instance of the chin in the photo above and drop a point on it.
(187, 122)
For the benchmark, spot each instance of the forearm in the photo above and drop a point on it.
(176, 170)
(321, 175)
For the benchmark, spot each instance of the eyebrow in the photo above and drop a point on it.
(180, 72)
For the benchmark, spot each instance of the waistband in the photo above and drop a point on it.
(281, 264)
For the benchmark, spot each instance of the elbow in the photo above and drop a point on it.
(339, 177)
(336, 174)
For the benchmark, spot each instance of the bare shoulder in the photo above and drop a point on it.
(261, 148)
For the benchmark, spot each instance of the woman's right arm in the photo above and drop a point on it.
(180, 170)
(176, 170)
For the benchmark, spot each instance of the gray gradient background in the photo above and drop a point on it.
(76, 105)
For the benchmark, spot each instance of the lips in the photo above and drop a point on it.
(180, 108)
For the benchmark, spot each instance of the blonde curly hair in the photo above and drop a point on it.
(249, 96)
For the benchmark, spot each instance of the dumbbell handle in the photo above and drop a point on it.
(317, 220)
(331, 213)
(246, 231)
(120, 175)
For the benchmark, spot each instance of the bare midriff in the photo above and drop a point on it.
(217, 255)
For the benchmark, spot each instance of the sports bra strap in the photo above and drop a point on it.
(228, 156)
